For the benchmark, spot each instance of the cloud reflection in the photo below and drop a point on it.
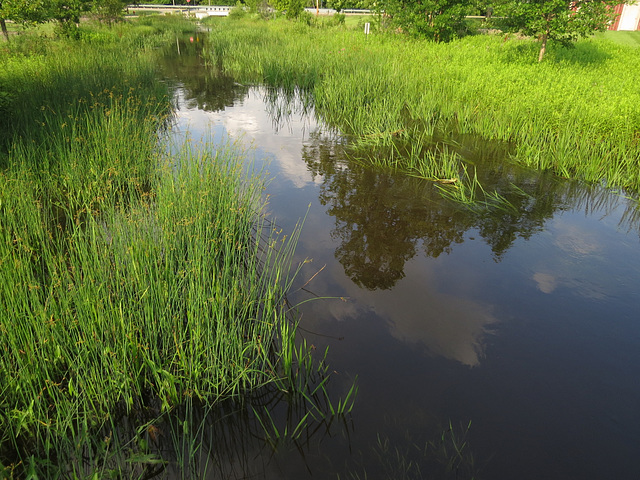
(251, 121)
(443, 324)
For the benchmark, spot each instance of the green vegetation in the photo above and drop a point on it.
(631, 39)
(131, 282)
(66, 13)
(558, 20)
(292, 8)
(438, 20)
(574, 114)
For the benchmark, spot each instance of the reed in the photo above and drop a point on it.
(131, 280)
(576, 114)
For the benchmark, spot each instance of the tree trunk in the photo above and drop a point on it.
(543, 47)
(3, 25)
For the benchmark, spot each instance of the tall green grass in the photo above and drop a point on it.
(576, 114)
(44, 79)
(131, 281)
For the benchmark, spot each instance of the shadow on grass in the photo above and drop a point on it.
(582, 53)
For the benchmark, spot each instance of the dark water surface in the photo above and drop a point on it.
(525, 324)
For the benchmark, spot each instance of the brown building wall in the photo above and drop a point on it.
(618, 9)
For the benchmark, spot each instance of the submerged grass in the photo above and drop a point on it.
(130, 282)
(468, 193)
(575, 114)
(446, 457)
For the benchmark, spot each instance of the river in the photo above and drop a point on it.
(513, 337)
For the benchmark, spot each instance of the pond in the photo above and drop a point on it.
(498, 346)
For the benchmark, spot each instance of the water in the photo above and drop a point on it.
(525, 324)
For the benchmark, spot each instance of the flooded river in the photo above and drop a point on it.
(494, 346)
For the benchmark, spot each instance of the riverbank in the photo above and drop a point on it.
(575, 114)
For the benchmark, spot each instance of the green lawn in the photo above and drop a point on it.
(356, 20)
(631, 39)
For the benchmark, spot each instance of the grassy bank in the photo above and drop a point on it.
(631, 39)
(576, 114)
(130, 283)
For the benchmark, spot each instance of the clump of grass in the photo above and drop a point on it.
(469, 194)
(57, 85)
(415, 153)
(179, 294)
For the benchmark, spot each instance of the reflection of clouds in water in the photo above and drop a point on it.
(196, 121)
(250, 121)
(287, 159)
(546, 282)
(575, 263)
(576, 241)
(456, 333)
(415, 312)
(241, 123)
(445, 325)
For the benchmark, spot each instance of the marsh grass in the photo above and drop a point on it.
(469, 194)
(412, 152)
(131, 281)
(575, 114)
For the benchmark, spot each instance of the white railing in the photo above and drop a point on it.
(199, 11)
(223, 10)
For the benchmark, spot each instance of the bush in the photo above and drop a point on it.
(338, 19)
(308, 18)
(237, 12)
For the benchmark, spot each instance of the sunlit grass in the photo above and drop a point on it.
(575, 114)
(469, 194)
(631, 39)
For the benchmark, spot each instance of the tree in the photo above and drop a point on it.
(440, 20)
(21, 11)
(109, 10)
(339, 5)
(562, 21)
(293, 8)
(66, 12)
(487, 7)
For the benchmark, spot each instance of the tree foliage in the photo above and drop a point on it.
(66, 12)
(340, 5)
(440, 20)
(110, 10)
(24, 11)
(562, 21)
(293, 8)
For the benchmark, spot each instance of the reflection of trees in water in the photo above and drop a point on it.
(281, 104)
(377, 224)
(535, 199)
(380, 217)
(202, 87)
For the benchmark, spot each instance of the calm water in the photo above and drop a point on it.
(525, 324)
